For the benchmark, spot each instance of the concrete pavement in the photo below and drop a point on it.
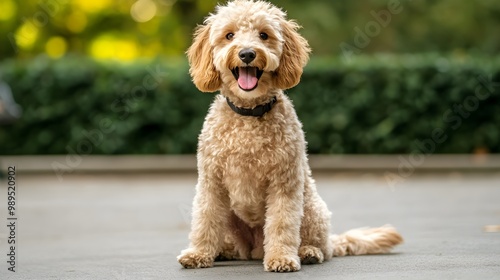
(132, 226)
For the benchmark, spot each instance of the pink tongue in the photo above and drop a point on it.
(247, 77)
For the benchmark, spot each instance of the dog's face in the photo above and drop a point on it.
(250, 48)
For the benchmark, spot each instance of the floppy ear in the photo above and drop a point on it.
(200, 56)
(294, 57)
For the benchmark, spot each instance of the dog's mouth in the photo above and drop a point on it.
(247, 77)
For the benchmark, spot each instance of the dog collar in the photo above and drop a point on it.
(258, 111)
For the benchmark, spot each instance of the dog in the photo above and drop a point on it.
(255, 197)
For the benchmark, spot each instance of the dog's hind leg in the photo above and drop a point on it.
(238, 240)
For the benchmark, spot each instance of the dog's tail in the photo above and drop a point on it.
(365, 241)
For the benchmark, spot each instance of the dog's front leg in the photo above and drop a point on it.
(283, 218)
(210, 216)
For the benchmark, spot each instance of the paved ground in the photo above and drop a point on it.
(133, 227)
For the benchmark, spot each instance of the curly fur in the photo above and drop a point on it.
(255, 197)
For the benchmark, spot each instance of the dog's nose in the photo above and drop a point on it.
(247, 55)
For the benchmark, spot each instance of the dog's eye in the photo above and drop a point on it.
(230, 36)
(264, 36)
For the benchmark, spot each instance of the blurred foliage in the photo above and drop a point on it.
(128, 29)
(79, 67)
(379, 104)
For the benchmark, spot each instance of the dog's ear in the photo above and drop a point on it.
(200, 56)
(294, 57)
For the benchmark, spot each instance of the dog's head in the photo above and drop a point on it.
(250, 48)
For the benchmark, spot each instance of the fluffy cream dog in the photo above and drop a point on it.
(255, 197)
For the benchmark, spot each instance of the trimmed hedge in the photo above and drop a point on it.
(381, 104)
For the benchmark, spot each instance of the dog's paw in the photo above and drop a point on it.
(282, 264)
(190, 258)
(310, 255)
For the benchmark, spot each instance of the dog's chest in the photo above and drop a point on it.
(247, 152)
(247, 197)
(250, 153)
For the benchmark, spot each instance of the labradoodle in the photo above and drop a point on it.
(255, 197)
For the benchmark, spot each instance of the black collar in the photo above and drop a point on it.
(258, 111)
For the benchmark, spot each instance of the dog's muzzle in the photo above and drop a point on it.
(247, 77)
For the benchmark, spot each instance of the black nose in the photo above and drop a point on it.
(247, 55)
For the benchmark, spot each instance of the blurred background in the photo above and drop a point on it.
(110, 77)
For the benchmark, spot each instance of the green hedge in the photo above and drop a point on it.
(381, 104)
